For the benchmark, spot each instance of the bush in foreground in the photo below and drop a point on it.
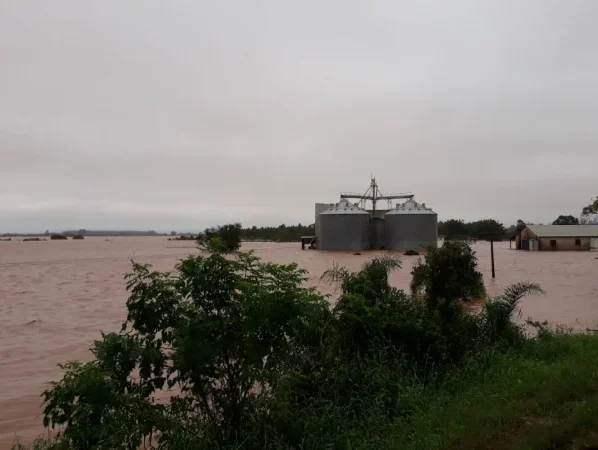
(258, 361)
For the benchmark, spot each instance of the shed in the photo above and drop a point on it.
(558, 237)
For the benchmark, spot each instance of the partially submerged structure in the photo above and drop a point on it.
(352, 227)
(557, 237)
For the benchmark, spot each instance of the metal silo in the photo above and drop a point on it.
(411, 226)
(344, 226)
(320, 208)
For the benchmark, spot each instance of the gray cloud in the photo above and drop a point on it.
(185, 114)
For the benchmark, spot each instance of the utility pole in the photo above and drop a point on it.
(492, 256)
(491, 238)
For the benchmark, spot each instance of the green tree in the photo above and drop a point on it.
(588, 213)
(486, 229)
(566, 220)
(455, 229)
(230, 236)
(221, 329)
(447, 274)
(281, 233)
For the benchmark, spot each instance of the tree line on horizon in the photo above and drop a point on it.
(281, 233)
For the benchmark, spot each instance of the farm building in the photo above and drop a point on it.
(558, 237)
(348, 226)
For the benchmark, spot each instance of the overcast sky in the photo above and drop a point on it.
(185, 114)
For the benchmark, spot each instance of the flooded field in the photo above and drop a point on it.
(56, 296)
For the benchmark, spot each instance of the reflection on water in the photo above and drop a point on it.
(55, 297)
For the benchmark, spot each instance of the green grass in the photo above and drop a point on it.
(542, 396)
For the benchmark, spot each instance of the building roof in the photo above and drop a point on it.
(344, 207)
(410, 207)
(572, 231)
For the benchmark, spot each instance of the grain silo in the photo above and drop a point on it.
(411, 226)
(344, 226)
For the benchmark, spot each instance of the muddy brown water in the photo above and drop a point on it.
(56, 296)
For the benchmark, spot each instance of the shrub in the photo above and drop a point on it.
(371, 314)
(447, 274)
(499, 311)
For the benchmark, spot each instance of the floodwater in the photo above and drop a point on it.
(56, 296)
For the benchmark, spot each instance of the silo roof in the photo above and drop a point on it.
(410, 207)
(344, 207)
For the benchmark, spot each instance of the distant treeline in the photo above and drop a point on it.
(480, 229)
(84, 232)
(281, 233)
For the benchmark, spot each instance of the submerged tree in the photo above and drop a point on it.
(566, 220)
(486, 229)
(454, 229)
(447, 274)
(230, 236)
